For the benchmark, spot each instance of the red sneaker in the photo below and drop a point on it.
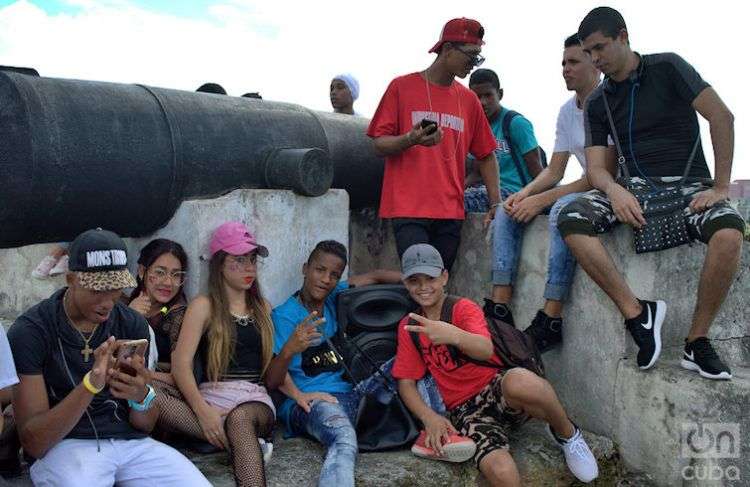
(458, 448)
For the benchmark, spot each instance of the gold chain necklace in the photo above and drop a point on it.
(87, 350)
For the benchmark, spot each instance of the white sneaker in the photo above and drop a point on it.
(44, 267)
(267, 448)
(578, 456)
(61, 267)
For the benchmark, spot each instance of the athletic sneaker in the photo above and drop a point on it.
(578, 456)
(267, 448)
(545, 331)
(499, 311)
(646, 331)
(60, 268)
(699, 355)
(44, 267)
(458, 448)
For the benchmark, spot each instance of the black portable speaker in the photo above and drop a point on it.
(368, 317)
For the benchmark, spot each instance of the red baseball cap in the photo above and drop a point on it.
(234, 238)
(460, 30)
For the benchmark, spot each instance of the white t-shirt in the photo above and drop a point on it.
(569, 135)
(8, 375)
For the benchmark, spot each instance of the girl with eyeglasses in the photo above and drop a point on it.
(230, 330)
(160, 298)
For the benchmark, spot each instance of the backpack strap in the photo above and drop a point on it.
(507, 119)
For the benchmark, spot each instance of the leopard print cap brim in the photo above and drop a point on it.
(106, 280)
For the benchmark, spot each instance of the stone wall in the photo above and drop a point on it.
(646, 413)
(288, 224)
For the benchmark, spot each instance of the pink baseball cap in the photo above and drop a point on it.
(234, 238)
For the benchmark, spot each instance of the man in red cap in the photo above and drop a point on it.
(425, 126)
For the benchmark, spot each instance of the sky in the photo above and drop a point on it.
(289, 50)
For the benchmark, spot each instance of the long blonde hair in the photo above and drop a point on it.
(221, 333)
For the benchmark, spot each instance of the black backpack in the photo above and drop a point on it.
(514, 347)
(517, 158)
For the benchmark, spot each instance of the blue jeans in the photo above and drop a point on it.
(332, 424)
(507, 237)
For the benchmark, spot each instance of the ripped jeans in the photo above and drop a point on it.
(332, 424)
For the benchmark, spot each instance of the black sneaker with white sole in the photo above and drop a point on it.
(700, 356)
(545, 331)
(646, 332)
(499, 311)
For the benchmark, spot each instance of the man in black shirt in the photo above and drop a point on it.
(653, 101)
(83, 419)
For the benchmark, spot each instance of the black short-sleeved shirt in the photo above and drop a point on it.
(664, 122)
(36, 338)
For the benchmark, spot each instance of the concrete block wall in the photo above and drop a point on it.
(594, 371)
(288, 224)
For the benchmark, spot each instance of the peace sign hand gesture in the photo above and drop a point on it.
(439, 332)
(305, 335)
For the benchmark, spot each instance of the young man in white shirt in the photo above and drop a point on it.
(582, 77)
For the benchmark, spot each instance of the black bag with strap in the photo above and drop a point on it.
(663, 209)
(379, 426)
(507, 119)
(514, 347)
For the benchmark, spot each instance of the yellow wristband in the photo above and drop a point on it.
(89, 386)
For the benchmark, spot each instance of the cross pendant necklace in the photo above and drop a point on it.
(87, 350)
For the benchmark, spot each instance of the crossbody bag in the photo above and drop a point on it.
(663, 209)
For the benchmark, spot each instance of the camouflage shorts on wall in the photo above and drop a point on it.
(592, 214)
(486, 419)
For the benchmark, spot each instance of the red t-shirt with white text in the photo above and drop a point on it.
(428, 182)
(458, 381)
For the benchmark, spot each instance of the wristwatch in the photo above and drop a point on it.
(144, 405)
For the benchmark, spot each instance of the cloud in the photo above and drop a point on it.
(288, 50)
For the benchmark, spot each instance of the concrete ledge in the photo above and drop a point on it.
(594, 371)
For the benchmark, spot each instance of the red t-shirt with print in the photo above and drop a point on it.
(457, 381)
(428, 182)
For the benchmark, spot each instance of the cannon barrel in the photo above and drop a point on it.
(80, 154)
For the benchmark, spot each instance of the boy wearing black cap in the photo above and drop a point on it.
(85, 420)
(483, 401)
(425, 126)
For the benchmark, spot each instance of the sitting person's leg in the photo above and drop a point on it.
(721, 228)
(579, 223)
(150, 462)
(74, 462)
(522, 390)
(507, 237)
(329, 423)
(499, 468)
(175, 414)
(546, 328)
(244, 425)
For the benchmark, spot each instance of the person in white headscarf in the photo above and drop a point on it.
(344, 91)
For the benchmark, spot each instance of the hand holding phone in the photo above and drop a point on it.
(127, 349)
(429, 126)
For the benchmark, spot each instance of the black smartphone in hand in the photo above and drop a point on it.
(429, 126)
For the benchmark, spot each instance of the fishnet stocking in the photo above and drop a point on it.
(244, 425)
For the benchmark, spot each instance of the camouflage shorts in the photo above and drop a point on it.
(486, 419)
(591, 214)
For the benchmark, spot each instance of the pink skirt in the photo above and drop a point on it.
(228, 395)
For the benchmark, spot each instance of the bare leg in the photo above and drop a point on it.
(502, 294)
(524, 390)
(553, 308)
(719, 268)
(596, 261)
(500, 469)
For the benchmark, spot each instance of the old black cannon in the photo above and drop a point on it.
(79, 154)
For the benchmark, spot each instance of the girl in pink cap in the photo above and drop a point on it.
(230, 331)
